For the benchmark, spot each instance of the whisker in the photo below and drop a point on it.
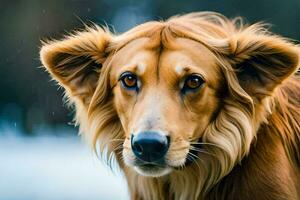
(202, 151)
(179, 149)
(180, 167)
(118, 147)
(194, 157)
(206, 143)
(112, 141)
(120, 156)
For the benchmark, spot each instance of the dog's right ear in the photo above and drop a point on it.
(75, 62)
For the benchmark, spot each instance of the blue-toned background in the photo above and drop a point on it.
(41, 157)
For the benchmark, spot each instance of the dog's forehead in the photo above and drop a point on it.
(188, 55)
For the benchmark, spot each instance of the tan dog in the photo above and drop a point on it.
(195, 107)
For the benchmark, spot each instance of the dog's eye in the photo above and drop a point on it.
(128, 80)
(193, 82)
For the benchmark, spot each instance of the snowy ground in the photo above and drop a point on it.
(55, 168)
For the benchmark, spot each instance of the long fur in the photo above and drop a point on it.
(241, 131)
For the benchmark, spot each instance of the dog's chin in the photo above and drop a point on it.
(152, 171)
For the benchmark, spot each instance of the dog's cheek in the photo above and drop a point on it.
(123, 108)
(127, 154)
(200, 111)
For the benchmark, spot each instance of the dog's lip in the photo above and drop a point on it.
(157, 166)
(152, 170)
(150, 164)
(162, 164)
(151, 167)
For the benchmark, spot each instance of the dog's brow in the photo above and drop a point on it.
(140, 68)
(181, 70)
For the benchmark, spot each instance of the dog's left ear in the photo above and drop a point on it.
(262, 61)
(75, 62)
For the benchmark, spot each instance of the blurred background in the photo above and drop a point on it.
(41, 157)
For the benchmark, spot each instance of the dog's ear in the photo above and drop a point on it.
(75, 62)
(262, 61)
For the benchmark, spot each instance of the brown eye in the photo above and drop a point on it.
(129, 80)
(193, 82)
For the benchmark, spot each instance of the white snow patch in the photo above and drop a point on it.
(56, 168)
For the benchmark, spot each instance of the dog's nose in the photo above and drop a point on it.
(150, 146)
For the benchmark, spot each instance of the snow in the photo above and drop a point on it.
(55, 168)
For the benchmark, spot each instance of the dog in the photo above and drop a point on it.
(195, 107)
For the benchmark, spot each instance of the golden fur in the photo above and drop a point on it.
(246, 117)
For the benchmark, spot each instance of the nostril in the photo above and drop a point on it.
(168, 141)
(138, 149)
(162, 145)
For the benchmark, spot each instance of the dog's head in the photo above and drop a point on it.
(167, 95)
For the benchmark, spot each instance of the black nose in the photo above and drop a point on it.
(149, 146)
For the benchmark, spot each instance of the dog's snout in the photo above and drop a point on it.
(150, 146)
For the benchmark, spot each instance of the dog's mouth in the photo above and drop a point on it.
(152, 169)
(163, 165)
(156, 169)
